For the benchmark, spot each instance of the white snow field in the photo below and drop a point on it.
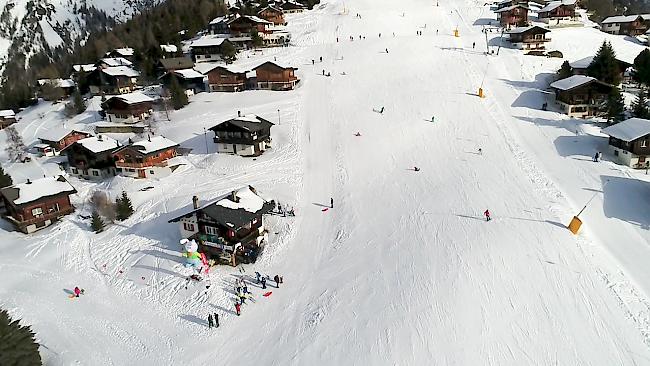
(403, 270)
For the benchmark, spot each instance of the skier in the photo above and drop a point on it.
(387, 50)
(210, 322)
(281, 279)
(313, 62)
(323, 72)
(238, 308)
(216, 320)
(245, 289)
(276, 278)
(257, 276)
(595, 159)
(321, 59)
(473, 45)
(357, 134)
(436, 32)
(379, 35)
(328, 74)
(381, 111)
(480, 151)
(487, 215)
(264, 283)
(331, 202)
(242, 298)
(416, 169)
(77, 291)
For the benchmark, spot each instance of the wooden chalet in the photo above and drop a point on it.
(219, 25)
(113, 62)
(556, 12)
(270, 75)
(128, 108)
(629, 142)
(225, 79)
(34, 205)
(60, 138)
(245, 24)
(113, 80)
(513, 16)
(7, 118)
(64, 87)
(229, 229)
(631, 25)
(290, 7)
(209, 48)
(189, 80)
(579, 67)
(581, 96)
(273, 15)
(247, 135)
(149, 158)
(528, 38)
(124, 52)
(92, 157)
(166, 65)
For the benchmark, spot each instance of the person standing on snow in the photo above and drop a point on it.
(276, 278)
(245, 289)
(331, 202)
(600, 156)
(216, 320)
(263, 283)
(473, 45)
(257, 276)
(487, 215)
(77, 291)
(238, 308)
(595, 159)
(210, 322)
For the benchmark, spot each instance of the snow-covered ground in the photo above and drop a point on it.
(404, 270)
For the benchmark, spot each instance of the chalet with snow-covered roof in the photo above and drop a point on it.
(631, 25)
(219, 25)
(128, 108)
(248, 135)
(7, 118)
(168, 50)
(629, 142)
(92, 157)
(113, 62)
(62, 88)
(528, 38)
(229, 229)
(579, 67)
(273, 15)
(60, 138)
(558, 12)
(148, 158)
(225, 79)
(113, 80)
(272, 76)
(513, 16)
(245, 24)
(581, 96)
(291, 7)
(166, 65)
(124, 52)
(189, 79)
(34, 205)
(209, 48)
(83, 68)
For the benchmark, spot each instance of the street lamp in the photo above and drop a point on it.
(278, 117)
(205, 137)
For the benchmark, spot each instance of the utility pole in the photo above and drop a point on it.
(278, 117)
(205, 137)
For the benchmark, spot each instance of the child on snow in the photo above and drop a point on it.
(487, 215)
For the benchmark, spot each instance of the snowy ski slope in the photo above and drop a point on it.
(404, 270)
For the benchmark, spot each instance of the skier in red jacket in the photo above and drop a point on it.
(487, 215)
(238, 308)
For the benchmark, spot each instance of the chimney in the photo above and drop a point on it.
(195, 202)
(29, 181)
(238, 113)
(233, 197)
(100, 138)
(252, 189)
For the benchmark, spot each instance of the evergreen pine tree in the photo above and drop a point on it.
(640, 105)
(256, 38)
(17, 343)
(615, 106)
(604, 66)
(565, 70)
(228, 51)
(178, 96)
(642, 67)
(97, 224)
(78, 102)
(5, 179)
(124, 207)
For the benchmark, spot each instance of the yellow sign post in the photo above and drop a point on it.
(456, 33)
(575, 224)
(480, 93)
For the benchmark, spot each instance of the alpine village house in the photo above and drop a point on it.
(581, 96)
(60, 138)
(528, 38)
(248, 135)
(629, 142)
(149, 158)
(36, 204)
(631, 25)
(92, 157)
(7, 118)
(513, 16)
(229, 229)
(557, 12)
(270, 75)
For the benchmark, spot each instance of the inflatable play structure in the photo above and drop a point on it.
(194, 259)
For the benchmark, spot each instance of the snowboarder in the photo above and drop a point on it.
(480, 151)
(357, 134)
(331, 202)
(473, 45)
(276, 278)
(379, 35)
(387, 50)
(323, 72)
(263, 283)
(487, 215)
(321, 59)
(381, 111)
(257, 276)
(313, 62)
(77, 291)
(210, 322)
(416, 169)
(216, 320)
(238, 308)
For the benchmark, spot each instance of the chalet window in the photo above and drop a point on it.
(238, 135)
(36, 212)
(119, 169)
(95, 173)
(151, 172)
(74, 171)
(231, 234)
(211, 230)
(188, 226)
(254, 221)
(53, 208)
(644, 143)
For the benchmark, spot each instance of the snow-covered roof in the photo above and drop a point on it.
(132, 98)
(629, 130)
(625, 18)
(572, 82)
(206, 67)
(169, 48)
(121, 71)
(275, 63)
(7, 113)
(188, 73)
(99, 143)
(84, 67)
(218, 20)
(254, 19)
(208, 41)
(116, 61)
(55, 134)
(60, 83)
(153, 144)
(525, 29)
(583, 63)
(508, 8)
(31, 191)
(556, 4)
(125, 51)
(248, 200)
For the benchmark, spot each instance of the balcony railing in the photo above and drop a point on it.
(122, 164)
(48, 216)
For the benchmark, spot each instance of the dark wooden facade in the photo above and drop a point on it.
(516, 15)
(67, 140)
(129, 157)
(7, 121)
(238, 131)
(83, 159)
(245, 25)
(122, 109)
(273, 15)
(222, 79)
(275, 77)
